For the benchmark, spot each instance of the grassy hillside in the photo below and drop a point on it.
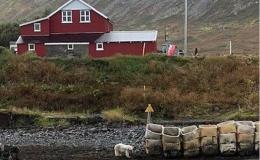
(177, 87)
(212, 23)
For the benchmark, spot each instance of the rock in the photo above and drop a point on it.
(2, 147)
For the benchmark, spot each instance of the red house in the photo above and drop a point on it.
(78, 29)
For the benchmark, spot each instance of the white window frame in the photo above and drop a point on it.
(29, 47)
(35, 27)
(65, 15)
(70, 48)
(85, 16)
(100, 48)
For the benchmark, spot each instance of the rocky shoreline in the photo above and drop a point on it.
(79, 142)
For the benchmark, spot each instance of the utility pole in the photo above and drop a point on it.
(186, 28)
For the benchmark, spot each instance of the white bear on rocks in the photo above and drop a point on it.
(123, 150)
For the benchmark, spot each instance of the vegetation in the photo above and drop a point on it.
(117, 115)
(8, 32)
(179, 88)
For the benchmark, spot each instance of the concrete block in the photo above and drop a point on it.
(257, 126)
(152, 135)
(228, 149)
(190, 133)
(227, 127)
(227, 138)
(171, 146)
(191, 153)
(154, 128)
(245, 138)
(208, 130)
(208, 141)
(191, 145)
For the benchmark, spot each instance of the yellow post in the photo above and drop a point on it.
(149, 110)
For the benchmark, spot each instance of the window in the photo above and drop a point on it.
(70, 47)
(37, 27)
(31, 47)
(84, 16)
(100, 46)
(66, 16)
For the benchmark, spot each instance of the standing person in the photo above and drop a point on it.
(196, 52)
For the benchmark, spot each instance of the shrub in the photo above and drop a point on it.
(117, 115)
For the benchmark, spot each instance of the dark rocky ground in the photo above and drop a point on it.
(80, 142)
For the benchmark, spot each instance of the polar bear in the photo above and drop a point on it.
(122, 149)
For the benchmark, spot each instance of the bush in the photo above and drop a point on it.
(117, 115)
(176, 87)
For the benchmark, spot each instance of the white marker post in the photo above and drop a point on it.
(230, 47)
(149, 110)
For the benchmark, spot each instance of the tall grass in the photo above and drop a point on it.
(177, 87)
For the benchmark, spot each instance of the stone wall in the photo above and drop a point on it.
(62, 51)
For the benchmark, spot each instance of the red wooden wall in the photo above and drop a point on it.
(97, 24)
(28, 30)
(40, 49)
(55, 25)
(110, 49)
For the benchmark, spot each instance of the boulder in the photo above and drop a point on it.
(2, 147)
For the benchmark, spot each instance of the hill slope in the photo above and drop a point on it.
(177, 87)
(212, 22)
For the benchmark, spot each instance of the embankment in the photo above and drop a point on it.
(178, 88)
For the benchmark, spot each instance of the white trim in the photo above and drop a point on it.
(64, 14)
(97, 47)
(29, 44)
(85, 16)
(73, 43)
(77, 33)
(34, 28)
(34, 21)
(60, 8)
(70, 48)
